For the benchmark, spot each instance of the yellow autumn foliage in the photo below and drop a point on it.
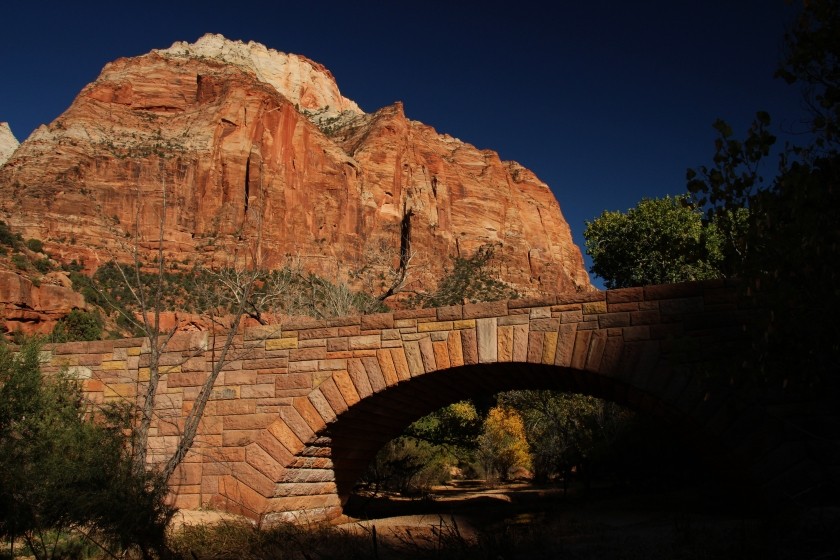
(502, 446)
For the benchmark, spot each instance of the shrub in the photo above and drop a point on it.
(43, 265)
(8, 238)
(20, 261)
(78, 325)
(35, 245)
(60, 470)
(469, 281)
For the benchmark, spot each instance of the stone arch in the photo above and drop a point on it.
(305, 463)
(302, 407)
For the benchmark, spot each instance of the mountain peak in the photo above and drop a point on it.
(302, 81)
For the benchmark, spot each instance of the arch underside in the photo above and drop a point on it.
(337, 456)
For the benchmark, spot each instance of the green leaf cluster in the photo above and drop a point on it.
(61, 470)
(78, 325)
(657, 242)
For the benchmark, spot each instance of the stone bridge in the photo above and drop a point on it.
(302, 408)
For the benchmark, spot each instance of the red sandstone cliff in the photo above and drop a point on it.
(240, 133)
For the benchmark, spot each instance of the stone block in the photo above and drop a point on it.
(625, 295)
(413, 314)
(400, 363)
(641, 332)
(338, 344)
(607, 320)
(505, 342)
(434, 326)
(300, 367)
(303, 354)
(346, 387)
(293, 419)
(374, 373)
(441, 355)
(386, 366)
(281, 343)
(469, 346)
(324, 332)
(573, 316)
(539, 301)
(414, 357)
(487, 340)
(453, 344)
(485, 309)
(549, 348)
(365, 342)
(544, 325)
(312, 343)
(322, 405)
(285, 435)
(597, 343)
(539, 313)
(581, 349)
(450, 313)
(377, 321)
(594, 307)
(258, 391)
(357, 373)
(247, 421)
(333, 395)
(520, 342)
(681, 306)
(238, 406)
(427, 354)
(238, 438)
(186, 379)
(261, 460)
(289, 381)
(519, 319)
(240, 377)
(535, 347)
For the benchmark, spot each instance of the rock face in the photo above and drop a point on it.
(8, 142)
(35, 309)
(246, 146)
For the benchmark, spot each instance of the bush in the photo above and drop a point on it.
(8, 238)
(35, 245)
(20, 261)
(59, 469)
(43, 265)
(469, 281)
(78, 325)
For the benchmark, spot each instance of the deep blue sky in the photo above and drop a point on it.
(606, 101)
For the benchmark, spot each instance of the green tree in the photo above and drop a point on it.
(659, 241)
(502, 444)
(60, 471)
(455, 426)
(565, 430)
